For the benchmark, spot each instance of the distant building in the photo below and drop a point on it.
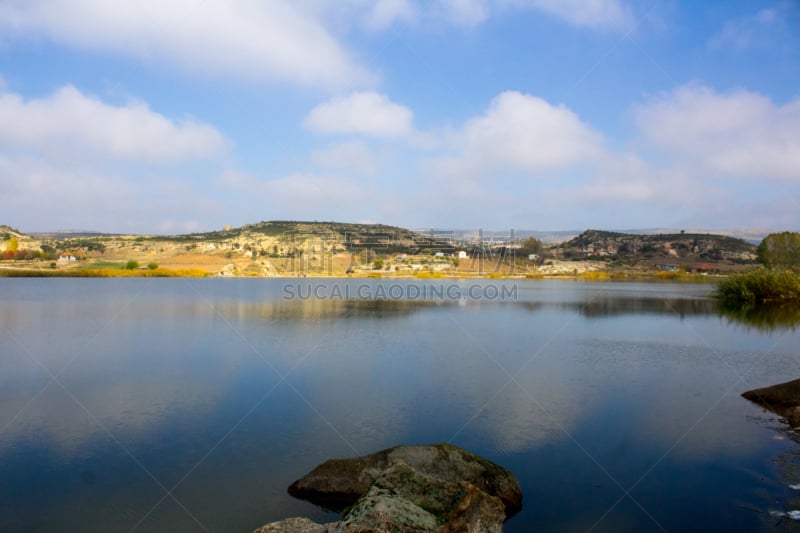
(533, 257)
(461, 254)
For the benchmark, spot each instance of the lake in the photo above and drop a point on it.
(191, 404)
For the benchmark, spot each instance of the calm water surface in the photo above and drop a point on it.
(190, 405)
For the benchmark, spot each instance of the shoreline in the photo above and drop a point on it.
(620, 276)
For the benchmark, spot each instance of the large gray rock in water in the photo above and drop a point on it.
(403, 499)
(782, 399)
(338, 483)
(434, 488)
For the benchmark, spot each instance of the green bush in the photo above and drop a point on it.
(152, 265)
(760, 286)
(132, 265)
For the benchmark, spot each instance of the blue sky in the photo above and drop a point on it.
(189, 115)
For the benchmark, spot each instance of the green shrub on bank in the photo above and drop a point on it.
(761, 286)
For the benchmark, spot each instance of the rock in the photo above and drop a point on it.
(295, 525)
(784, 394)
(338, 483)
(435, 488)
(228, 270)
(403, 499)
(782, 399)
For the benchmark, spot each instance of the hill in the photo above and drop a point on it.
(692, 251)
(7, 232)
(272, 248)
(283, 248)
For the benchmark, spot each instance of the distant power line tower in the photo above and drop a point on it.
(505, 253)
(480, 253)
(494, 253)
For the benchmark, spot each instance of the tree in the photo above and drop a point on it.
(132, 265)
(780, 250)
(13, 244)
(377, 264)
(530, 246)
(152, 265)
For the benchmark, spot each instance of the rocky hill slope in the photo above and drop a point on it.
(688, 250)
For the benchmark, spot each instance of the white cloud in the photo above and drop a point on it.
(594, 14)
(348, 156)
(740, 134)
(465, 12)
(70, 122)
(621, 178)
(2, 83)
(524, 132)
(300, 195)
(367, 113)
(248, 39)
(298, 190)
(384, 13)
(747, 32)
(84, 163)
(377, 15)
(76, 197)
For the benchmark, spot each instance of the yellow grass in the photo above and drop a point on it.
(107, 273)
(594, 275)
(428, 275)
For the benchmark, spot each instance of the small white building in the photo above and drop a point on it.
(461, 254)
(533, 257)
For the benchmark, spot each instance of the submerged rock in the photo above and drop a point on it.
(433, 488)
(782, 399)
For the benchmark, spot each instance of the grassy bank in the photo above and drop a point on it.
(103, 273)
(761, 286)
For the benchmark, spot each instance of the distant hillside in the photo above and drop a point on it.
(7, 232)
(471, 235)
(69, 234)
(754, 236)
(285, 235)
(281, 247)
(679, 249)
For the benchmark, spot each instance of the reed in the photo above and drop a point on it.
(762, 285)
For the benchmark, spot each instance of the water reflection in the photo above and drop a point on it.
(609, 305)
(309, 309)
(763, 317)
(172, 370)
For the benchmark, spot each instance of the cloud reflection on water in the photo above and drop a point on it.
(171, 373)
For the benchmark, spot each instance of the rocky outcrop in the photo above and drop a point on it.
(686, 248)
(294, 525)
(782, 399)
(434, 488)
